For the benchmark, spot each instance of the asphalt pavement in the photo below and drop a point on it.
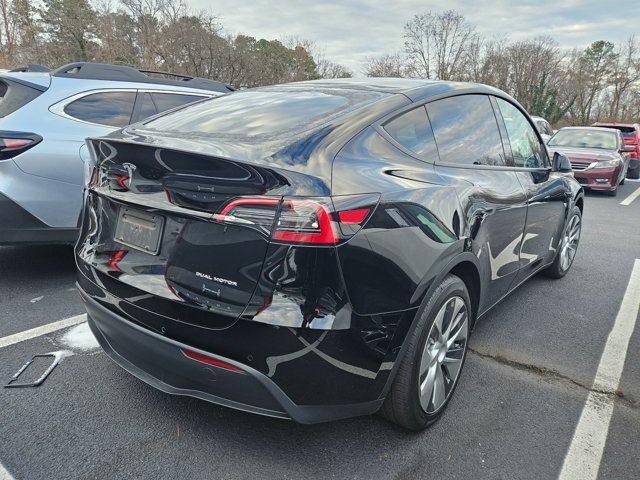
(522, 393)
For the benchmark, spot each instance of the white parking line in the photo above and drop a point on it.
(589, 439)
(631, 198)
(4, 473)
(42, 330)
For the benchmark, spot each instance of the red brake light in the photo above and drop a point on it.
(15, 142)
(305, 221)
(198, 357)
(229, 209)
(354, 216)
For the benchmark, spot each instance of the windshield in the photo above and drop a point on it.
(263, 113)
(585, 138)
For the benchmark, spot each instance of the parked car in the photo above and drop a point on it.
(599, 156)
(319, 250)
(45, 117)
(546, 132)
(631, 135)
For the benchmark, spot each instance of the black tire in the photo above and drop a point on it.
(402, 404)
(612, 193)
(622, 182)
(555, 270)
(633, 174)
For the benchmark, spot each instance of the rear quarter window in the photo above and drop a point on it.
(14, 95)
(413, 131)
(113, 109)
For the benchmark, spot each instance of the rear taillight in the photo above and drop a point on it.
(15, 143)
(301, 221)
(305, 221)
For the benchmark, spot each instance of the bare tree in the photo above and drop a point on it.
(438, 45)
(387, 65)
(625, 74)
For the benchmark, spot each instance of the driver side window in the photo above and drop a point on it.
(525, 147)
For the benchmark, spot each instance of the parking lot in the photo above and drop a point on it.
(532, 365)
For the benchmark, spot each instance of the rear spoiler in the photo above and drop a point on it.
(35, 86)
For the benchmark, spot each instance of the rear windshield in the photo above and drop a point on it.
(14, 95)
(627, 132)
(584, 138)
(263, 113)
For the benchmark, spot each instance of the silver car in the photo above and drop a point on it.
(546, 132)
(44, 120)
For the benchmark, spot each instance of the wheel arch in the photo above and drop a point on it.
(579, 202)
(465, 266)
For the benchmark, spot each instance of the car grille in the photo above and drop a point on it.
(580, 166)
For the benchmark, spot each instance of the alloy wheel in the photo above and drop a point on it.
(443, 354)
(570, 242)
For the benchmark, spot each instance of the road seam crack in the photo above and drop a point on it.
(554, 375)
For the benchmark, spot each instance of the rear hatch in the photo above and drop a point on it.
(164, 222)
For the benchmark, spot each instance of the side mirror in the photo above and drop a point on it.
(561, 163)
(628, 148)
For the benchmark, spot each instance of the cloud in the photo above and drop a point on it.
(351, 30)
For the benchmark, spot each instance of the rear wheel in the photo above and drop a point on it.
(634, 174)
(568, 246)
(430, 369)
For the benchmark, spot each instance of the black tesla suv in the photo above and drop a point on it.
(319, 250)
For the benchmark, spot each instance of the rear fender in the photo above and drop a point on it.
(400, 345)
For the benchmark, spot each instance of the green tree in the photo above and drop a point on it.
(546, 102)
(70, 25)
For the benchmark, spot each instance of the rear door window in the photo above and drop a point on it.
(412, 131)
(525, 146)
(14, 95)
(106, 108)
(466, 131)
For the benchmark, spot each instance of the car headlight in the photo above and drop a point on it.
(607, 164)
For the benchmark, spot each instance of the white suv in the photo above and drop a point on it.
(44, 120)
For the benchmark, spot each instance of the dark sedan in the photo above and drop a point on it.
(599, 156)
(319, 250)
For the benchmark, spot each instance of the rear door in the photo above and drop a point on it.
(547, 193)
(472, 157)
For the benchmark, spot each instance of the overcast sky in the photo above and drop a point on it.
(350, 30)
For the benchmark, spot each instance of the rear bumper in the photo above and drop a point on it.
(159, 361)
(17, 226)
(598, 178)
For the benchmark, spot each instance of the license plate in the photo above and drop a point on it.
(139, 230)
